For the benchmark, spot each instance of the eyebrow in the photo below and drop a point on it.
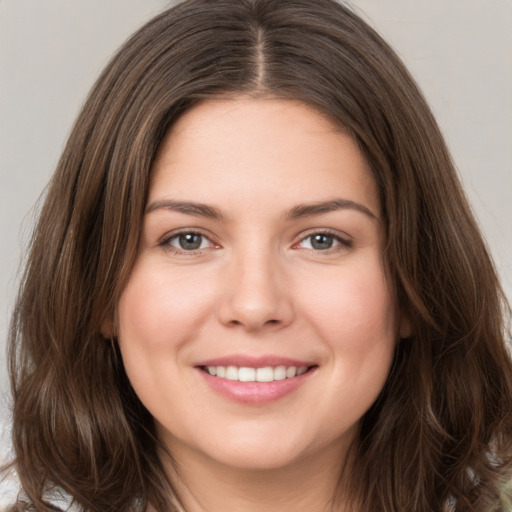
(311, 209)
(186, 207)
(299, 211)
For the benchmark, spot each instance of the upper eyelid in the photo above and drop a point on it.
(165, 242)
(197, 231)
(344, 241)
(328, 231)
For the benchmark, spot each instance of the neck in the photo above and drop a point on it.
(311, 483)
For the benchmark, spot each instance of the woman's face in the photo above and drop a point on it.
(258, 324)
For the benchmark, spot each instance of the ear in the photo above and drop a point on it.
(108, 329)
(405, 329)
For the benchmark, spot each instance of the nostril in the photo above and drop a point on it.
(254, 309)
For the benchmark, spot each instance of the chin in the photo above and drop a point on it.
(258, 458)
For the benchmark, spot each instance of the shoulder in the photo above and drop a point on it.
(9, 482)
(10, 487)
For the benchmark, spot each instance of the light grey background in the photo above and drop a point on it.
(51, 51)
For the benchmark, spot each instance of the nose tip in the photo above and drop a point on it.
(251, 317)
(256, 298)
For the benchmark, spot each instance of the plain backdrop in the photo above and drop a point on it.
(51, 51)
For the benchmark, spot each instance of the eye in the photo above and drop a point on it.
(324, 241)
(188, 241)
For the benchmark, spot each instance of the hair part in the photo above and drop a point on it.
(442, 427)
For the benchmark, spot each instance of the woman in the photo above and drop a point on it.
(256, 284)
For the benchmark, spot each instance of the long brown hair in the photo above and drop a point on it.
(440, 435)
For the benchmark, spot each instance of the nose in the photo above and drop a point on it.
(256, 294)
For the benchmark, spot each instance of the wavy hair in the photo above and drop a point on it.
(441, 430)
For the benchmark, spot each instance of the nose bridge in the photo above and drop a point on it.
(256, 292)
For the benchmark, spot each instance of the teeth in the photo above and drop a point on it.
(280, 373)
(265, 374)
(291, 372)
(232, 373)
(247, 374)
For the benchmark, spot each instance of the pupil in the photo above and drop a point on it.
(322, 241)
(190, 241)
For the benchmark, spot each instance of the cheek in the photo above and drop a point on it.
(159, 309)
(354, 312)
(360, 296)
(158, 314)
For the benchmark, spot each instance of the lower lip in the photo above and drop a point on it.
(255, 392)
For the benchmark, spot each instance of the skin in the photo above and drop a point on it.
(259, 286)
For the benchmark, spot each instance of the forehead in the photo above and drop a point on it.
(272, 150)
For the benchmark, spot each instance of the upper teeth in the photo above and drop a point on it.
(265, 374)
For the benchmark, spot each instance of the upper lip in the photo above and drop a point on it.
(255, 362)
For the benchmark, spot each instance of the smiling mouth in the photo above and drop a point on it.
(263, 374)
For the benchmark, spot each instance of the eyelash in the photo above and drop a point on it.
(166, 242)
(342, 243)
